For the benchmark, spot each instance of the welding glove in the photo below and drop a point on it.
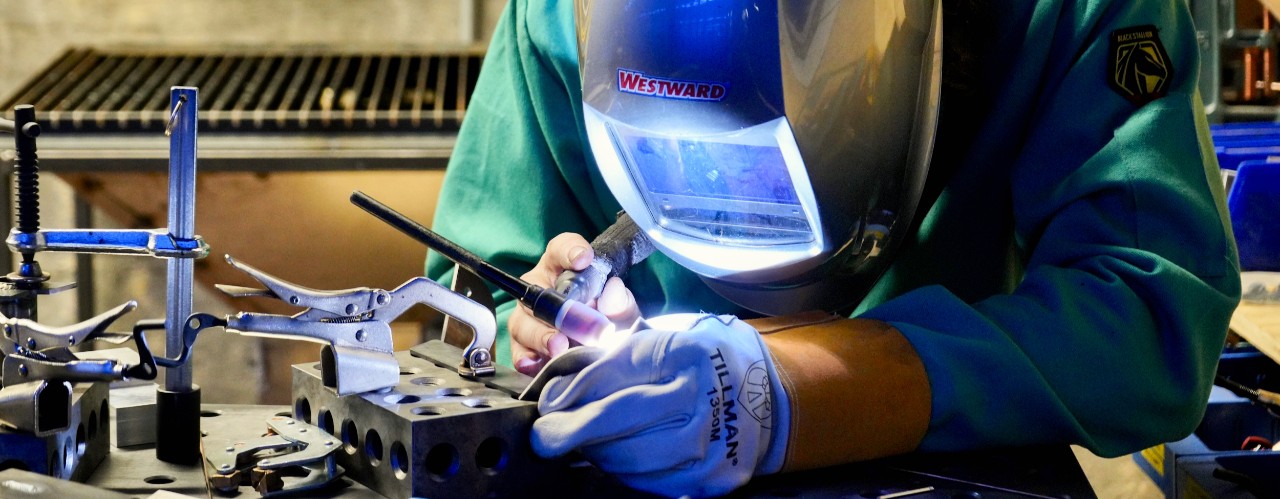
(686, 409)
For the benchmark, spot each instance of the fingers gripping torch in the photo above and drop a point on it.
(572, 317)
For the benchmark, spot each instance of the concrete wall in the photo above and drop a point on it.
(32, 32)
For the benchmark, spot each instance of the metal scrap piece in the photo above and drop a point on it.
(291, 446)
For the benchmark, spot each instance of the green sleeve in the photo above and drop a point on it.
(1111, 337)
(518, 175)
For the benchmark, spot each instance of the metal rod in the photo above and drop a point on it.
(1268, 58)
(311, 99)
(291, 93)
(251, 93)
(182, 209)
(215, 89)
(350, 101)
(501, 278)
(420, 91)
(52, 100)
(121, 93)
(85, 290)
(179, 73)
(55, 93)
(375, 93)
(397, 94)
(464, 73)
(273, 88)
(333, 92)
(51, 76)
(112, 71)
(139, 99)
(442, 87)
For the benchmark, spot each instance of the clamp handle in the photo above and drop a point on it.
(339, 303)
(31, 335)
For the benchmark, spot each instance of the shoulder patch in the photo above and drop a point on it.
(1140, 67)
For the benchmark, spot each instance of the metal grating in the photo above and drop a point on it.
(88, 90)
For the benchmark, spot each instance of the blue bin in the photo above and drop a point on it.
(1254, 204)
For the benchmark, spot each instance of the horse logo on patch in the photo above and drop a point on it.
(1140, 67)
(756, 395)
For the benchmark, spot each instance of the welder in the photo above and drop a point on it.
(889, 225)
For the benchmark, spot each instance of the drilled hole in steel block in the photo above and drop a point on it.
(409, 371)
(325, 421)
(400, 398)
(81, 435)
(425, 381)
(350, 436)
(491, 456)
(159, 479)
(52, 402)
(478, 403)
(302, 410)
(210, 413)
(93, 425)
(316, 366)
(104, 417)
(68, 454)
(399, 460)
(328, 367)
(284, 414)
(441, 462)
(453, 392)
(373, 447)
(426, 411)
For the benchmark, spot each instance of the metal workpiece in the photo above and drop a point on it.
(19, 484)
(71, 453)
(292, 457)
(355, 326)
(433, 434)
(133, 409)
(40, 407)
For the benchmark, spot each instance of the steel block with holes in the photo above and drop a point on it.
(73, 453)
(435, 434)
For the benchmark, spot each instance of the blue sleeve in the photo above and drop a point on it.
(1111, 337)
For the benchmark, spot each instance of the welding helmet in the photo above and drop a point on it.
(778, 149)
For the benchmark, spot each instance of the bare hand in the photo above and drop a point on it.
(533, 343)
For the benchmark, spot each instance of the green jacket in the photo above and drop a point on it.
(1071, 281)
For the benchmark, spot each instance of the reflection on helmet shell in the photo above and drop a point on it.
(776, 149)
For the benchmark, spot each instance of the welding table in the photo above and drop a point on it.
(1039, 472)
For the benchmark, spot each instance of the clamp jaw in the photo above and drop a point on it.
(38, 366)
(295, 447)
(34, 351)
(355, 326)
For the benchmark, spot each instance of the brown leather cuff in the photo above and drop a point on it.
(857, 389)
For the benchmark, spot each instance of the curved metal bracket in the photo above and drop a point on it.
(477, 360)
